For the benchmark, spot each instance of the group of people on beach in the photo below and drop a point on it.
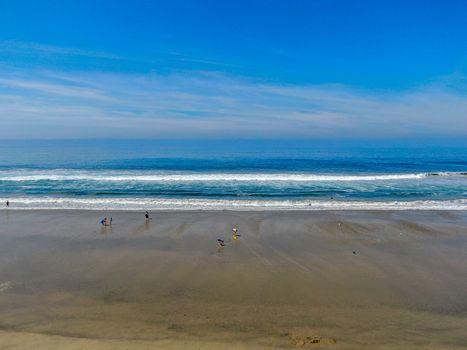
(235, 236)
(220, 242)
(108, 221)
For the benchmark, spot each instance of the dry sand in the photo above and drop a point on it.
(317, 280)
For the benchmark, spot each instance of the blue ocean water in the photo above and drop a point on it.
(237, 174)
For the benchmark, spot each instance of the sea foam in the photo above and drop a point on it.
(222, 204)
(60, 175)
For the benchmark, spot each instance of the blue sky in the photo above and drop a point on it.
(256, 69)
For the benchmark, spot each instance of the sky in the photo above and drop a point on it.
(245, 69)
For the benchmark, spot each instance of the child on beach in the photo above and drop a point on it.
(106, 222)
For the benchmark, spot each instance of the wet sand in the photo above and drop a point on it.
(317, 280)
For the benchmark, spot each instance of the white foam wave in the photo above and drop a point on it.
(199, 177)
(212, 204)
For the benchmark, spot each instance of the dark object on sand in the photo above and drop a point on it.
(300, 341)
(354, 252)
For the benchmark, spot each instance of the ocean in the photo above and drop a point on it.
(232, 174)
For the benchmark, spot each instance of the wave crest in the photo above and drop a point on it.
(202, 177)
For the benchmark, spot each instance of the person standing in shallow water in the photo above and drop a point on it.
(146, 216)
(7, 203)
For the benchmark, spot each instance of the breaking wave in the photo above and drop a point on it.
(70, 175)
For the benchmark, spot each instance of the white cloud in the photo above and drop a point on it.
(204, 104)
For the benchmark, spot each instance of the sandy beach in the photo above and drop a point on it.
(318, 280)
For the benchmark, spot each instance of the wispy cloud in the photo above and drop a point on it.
(207, 104)
(34, 49)
(14, 52)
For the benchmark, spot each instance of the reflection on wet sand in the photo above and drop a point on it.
(350, 280)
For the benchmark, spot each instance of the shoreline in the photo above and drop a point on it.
(234, 210)
(409, 214)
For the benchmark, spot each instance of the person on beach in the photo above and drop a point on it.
(146, 216)
(7, 203)
(235, 234)
(106, 222)
(220, 244)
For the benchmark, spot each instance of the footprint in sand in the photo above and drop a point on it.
(304, 342)
(5, 286)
